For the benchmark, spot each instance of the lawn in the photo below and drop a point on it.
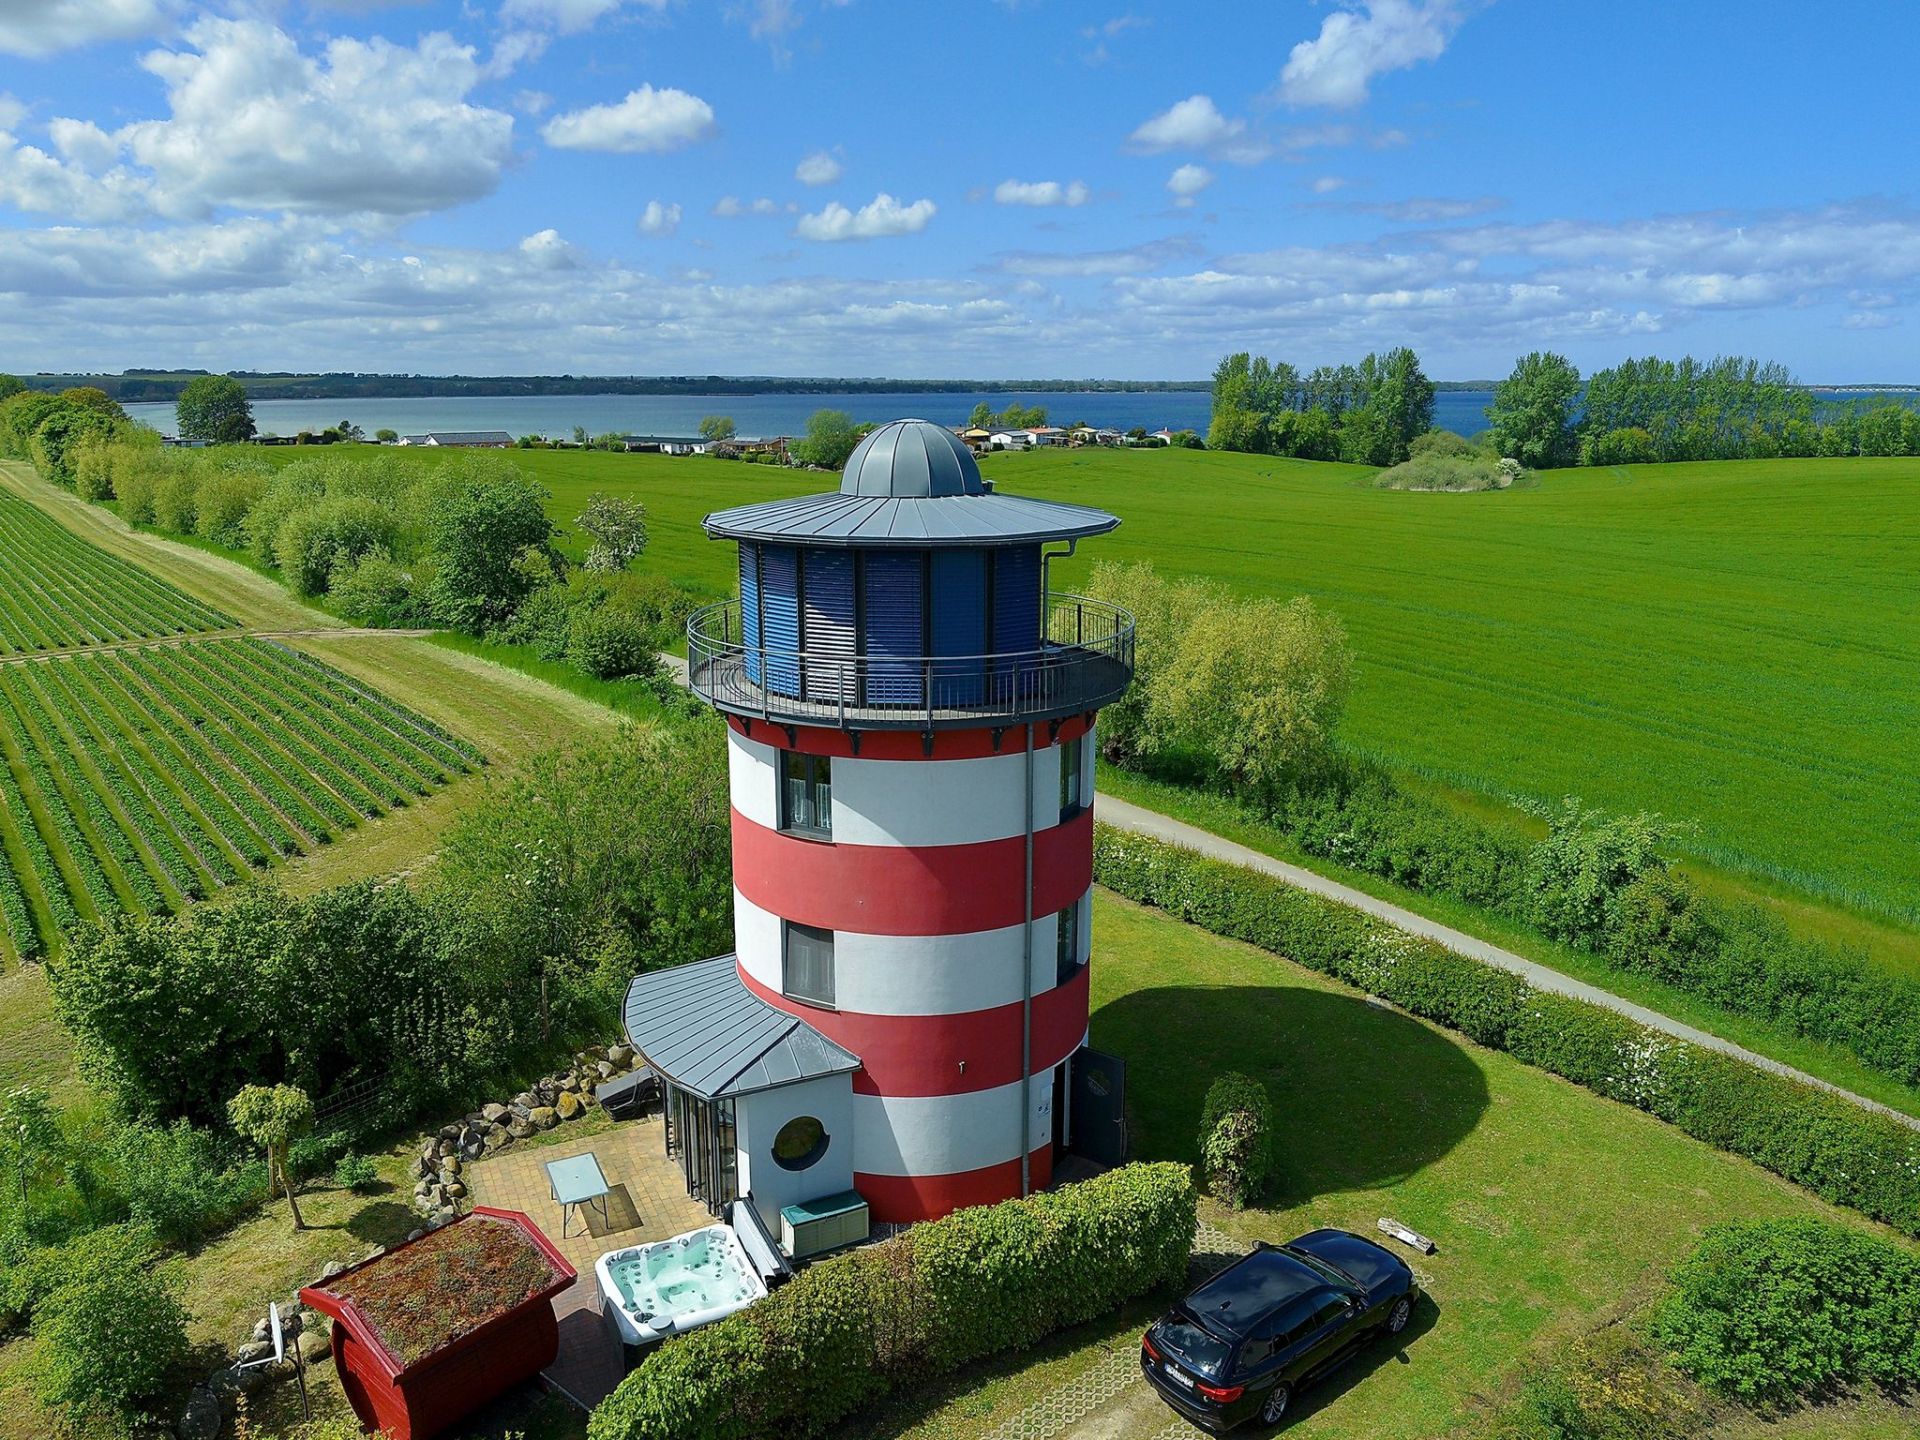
(1731, 644)
(1555, 1211)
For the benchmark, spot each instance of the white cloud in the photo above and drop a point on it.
(1327, 184)
(884, 216)
(1187, 182)
(1102, 34)
(648, 120)
(1428, 209)
(1042, 192)
(532, 102)
(569, 17)
(732, 207)
(44, 27)
(1134, 260)
(545, 250)
(1355, 44)
(658, 219)
(819, 168)
(1193, 124)
(363, 127)
(12, 112)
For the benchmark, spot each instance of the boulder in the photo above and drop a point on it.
(413, 1235)
(450, 1132)
(452, 1165)
(230, 1384)
(201, 1418)
(455, 1190)
(331, 1269)
(442, 1218)
(605, 1070)
(446, 1148)
(493, 1114)
(474, 1151)
(620, 1055)
(253, 1351)
(546, 1092)
(316, 1344)
(521, 1128)
(569, 1106)
(262, 1330)
(544, 1117)
(498, 1135)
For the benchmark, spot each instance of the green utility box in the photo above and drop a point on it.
(822, 1225)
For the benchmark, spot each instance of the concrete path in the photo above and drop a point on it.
(1125, 816)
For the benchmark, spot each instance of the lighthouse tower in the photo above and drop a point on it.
(911, 714)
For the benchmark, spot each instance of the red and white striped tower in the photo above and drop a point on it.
(911, 717)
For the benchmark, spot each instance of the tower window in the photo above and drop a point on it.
(806, 794)
(1067, 943)
(807, 969)
(1072, 785)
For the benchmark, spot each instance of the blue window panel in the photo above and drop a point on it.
(1016, 617)
(895, 597)
(750, 610)
(959, 627)
(826, 597)
(780, 617)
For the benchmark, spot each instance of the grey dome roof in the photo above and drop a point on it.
(911, 460)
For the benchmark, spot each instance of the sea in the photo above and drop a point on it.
(753, 415)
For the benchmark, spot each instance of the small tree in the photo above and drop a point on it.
(215, 408)
(273, 1117)
(29, 1135)
(1576, 876)
(830, 438)
(385, 435)
(717, 427)
(618, 529)
(1532, 411)
(112, 1339)
(1236, 1139)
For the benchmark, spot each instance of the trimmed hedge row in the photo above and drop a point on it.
(1844, 1154)
(846, 1331)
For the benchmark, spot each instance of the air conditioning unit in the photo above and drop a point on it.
(817, 1226)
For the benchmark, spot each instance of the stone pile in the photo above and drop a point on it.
(440, 1172)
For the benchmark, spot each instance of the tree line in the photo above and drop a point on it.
(1545, 414)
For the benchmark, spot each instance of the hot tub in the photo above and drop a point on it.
(652, 1291)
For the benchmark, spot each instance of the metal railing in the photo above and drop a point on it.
(1085, 661)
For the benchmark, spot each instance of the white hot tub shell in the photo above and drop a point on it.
(671, 1286)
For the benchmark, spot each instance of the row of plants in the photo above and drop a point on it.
(849, 1330)
(85, 878)
(1243, 697)
(56, 590)
(1848, 1156)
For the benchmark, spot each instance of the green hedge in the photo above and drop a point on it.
(846, 1331)
(1846, 1155)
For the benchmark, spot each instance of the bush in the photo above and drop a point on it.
(1776, 1310)
(226, 496)
(337, 531)
(374, 589)
(32, 1274)
(1448, 471)
(357, 1173)
(844, 1332)
(1629, 445)
(1844, 1154)
(1237, 1139)
(185, 1183)
(611, 643)
(112, 1338)
(1577, 874)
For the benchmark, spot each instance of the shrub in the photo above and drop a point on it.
(1628, 445)
(112, 1337)
(1782, 1309)
(336, 531)
(1237, 1139)
(297, 487)
(1844, 1154)
(185, 1183)
(33, 1273)
(1448, 471)
(226, 496)
(357, 1173)
(176, 499)
(1577, 874)
(374, 589)
(93, 469)
(611, 643)
(846, 1331)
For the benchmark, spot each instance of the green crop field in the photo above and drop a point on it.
(57, 591)
(1731, 644)
(141, 777)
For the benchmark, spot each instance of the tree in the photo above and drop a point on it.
(386, 436)
(214, 408)
(273, 1117)
(112, 1338)
(29, 1135)
(54, 440)
(1532, 411)
(717, 427)
(10, 385)
(92, 397)
(618, 528)
(580, 435)
(484, 516)
(350, 431)
(830, 438)
(982, 417)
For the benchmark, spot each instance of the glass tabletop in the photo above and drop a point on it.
(576, 1179)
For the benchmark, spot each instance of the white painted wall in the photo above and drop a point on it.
(757, 1120)
(950, 1134)
(913, 974)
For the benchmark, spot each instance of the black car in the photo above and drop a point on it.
(1247, 1341)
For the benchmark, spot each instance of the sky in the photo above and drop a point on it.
(969, 188)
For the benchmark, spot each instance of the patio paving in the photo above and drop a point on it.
(647, 1201)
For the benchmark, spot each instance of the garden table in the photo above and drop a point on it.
(576, 1183)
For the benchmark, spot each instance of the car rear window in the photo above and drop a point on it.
(1192, 1346)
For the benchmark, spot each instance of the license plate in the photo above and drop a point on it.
(1179, 1377)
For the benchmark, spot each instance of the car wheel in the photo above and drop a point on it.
(1401, 1313)
(1276, 1406)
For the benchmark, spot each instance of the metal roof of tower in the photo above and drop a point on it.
(705, 1031)
(910, 483)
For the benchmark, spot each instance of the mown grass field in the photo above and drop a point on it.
(1731, 644)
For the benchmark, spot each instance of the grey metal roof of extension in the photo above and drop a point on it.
(911, 484)
(705, 1031)
(911, 460)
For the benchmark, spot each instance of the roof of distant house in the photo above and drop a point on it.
(468, 437)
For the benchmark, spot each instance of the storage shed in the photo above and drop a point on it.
(429, 1332)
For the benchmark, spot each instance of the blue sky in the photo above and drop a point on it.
(988, 188)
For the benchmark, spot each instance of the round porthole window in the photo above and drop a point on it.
(800, 1143)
